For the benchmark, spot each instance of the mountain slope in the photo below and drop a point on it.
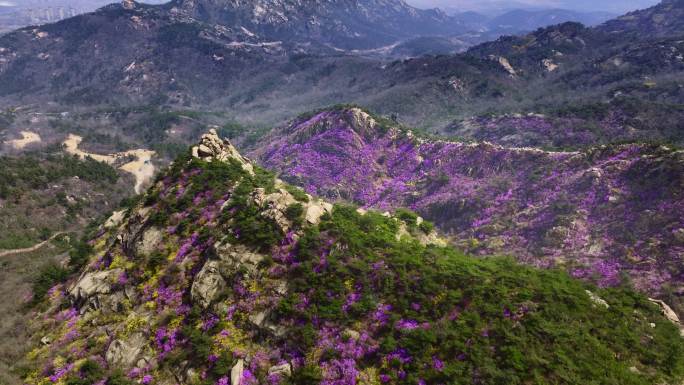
(604, 214)
(664, 19)
(345, 24)
(222, 274)
(265, 68)
(523, 20)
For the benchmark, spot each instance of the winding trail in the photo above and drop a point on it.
(27, 138)
(32, 248)
(142, 167)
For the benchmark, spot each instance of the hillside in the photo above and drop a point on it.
(265, 69)
(222, 274)
(606, 214)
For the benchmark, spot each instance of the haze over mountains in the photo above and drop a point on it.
(489, 6)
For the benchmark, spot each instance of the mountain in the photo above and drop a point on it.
(342, 24)
(222, 274)
(264, 70)
(522, 20)
(603, 214)
(664, 19)
(19, 14)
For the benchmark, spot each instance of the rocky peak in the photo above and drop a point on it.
(213, 148)
(128, 4)
(346, 24)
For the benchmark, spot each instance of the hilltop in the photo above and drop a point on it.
(223, 274)
(606, 214)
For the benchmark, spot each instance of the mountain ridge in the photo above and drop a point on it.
(222, 274)
(564, 209)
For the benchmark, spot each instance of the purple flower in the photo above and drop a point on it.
(61, 372)
(437, 364)
(407, 325)
(339, 372)
(381, 315)
(165, 340)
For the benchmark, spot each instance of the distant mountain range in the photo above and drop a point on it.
(264, 66)
(20, 13)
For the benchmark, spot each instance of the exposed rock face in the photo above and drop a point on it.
(125, 353)
(211, 147)
(568, 209)
(92, 284)
(115, 220)
(237, 373)
(235, 257)
(667, 311)
(148, 242)
(208, 284)
(597, 300)
(284, 370)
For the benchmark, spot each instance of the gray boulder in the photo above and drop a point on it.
(126, 353)
(284, 370)
(93, 284)
(208, 285)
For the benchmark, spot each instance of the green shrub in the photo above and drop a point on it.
(48, 277)
(297, 193)
(295, 213)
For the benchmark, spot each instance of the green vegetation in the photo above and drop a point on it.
(48, 277)
(510, 323)
(297, 193)
(295, 213)
(18, 175)
(362, 302)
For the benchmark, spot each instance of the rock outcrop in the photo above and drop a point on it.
(248, 281)
(92, 284)
(126, 353)
(208, 285)
(212, 147)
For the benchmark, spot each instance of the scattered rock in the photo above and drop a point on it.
(666, 310)
(115, 220)
(315, 210)
(597, 300)
(352, 334)
(284, 370)
(237, 372)
(258, 319)
(148, 242)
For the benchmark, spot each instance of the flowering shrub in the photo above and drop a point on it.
(609, 215)
(352, 299)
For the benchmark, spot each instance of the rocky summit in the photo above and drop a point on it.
(608, 214)
(222, 274)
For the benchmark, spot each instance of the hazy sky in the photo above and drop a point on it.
(617, 6)
(614, 6)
